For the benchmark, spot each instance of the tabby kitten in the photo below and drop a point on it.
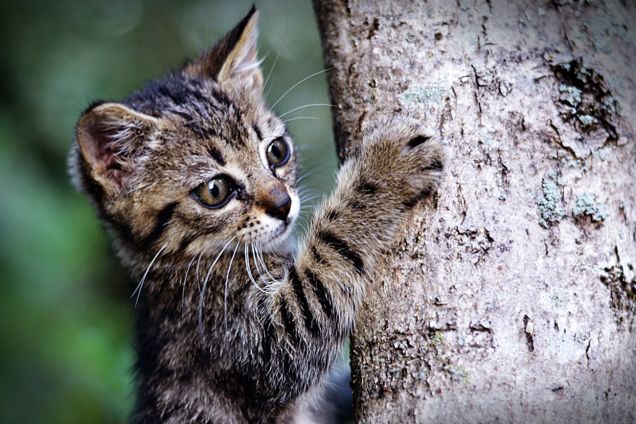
(195, 179)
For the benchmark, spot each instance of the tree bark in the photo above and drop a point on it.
(513, 298)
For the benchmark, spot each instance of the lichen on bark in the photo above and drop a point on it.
(500, 300)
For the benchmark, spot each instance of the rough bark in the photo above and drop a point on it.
(513, 298)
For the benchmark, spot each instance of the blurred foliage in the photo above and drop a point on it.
(65, 313)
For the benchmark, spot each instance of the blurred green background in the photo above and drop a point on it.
(65, 313)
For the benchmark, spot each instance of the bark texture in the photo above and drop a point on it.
(513, 298)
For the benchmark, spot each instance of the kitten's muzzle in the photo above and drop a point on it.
(277, 203)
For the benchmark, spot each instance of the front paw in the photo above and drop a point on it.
(404, 159)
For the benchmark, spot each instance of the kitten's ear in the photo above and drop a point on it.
(234, 58)
(110, 136)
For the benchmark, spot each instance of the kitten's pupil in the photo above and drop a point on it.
(215, 188)
(215, 193)
(278, 152)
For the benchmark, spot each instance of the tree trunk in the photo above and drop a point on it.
(513, 298)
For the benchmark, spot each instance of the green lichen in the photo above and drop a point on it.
(550, 206)
(601, 154)
(586, 205)
(410, 38)
(587, 121)
(458, 374)
(570, 95)
(423, 94)
(438, 338)
(609, 105)
(584, 99)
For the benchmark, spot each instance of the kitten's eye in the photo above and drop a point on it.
(278, 152)
(215, 193)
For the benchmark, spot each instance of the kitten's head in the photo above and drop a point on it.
(191, 161)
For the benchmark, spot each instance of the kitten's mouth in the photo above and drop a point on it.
(283, 230)
(271, 231)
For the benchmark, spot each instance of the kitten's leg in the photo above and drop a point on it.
(306, 320)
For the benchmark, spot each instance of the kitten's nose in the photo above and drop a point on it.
(277, 203)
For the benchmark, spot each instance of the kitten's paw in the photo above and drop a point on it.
(407, 159)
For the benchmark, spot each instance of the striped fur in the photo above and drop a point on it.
(227, 334)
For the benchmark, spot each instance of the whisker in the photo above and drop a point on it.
(269, 74)
(314, 168)
(305, 148)
(196, 270)
(309, 202)
(297, 84)
(227, 276)
(140, 286)
(185, 278)
(256, 264)
(248, 268)
(301, 117)
(304, 107)
(266, 278)
(306, 189)
(259, 254)
(205, 284)
(309, 196)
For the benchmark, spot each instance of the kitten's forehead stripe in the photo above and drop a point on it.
(204, 106)
(202, 132)
(216, 155)
(258, 132)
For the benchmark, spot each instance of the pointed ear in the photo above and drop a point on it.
(110, 136)
(234, 57)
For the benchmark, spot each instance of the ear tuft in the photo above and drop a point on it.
(110, 136)
(234, 58)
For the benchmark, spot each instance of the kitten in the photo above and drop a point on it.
(195, 179)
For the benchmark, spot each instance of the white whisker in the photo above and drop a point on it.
(311, 171)
(296, 118)
(205, 284)
(140, 286)
(196, 270)
(256, 264)
(249, 270)
(227, 277)
(269, 74)
(185, 278)
(259, 254)
(297, 84)
(304, 107)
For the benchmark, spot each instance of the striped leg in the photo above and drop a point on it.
(313, 311)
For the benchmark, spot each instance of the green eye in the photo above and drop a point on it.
(214, 193)
(278, 152)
